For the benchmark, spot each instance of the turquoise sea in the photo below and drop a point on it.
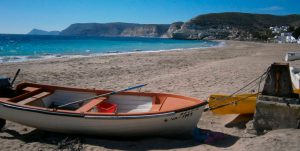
(15, 48)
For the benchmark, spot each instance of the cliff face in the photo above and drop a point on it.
(117, 29)
(240, 26)
(174, 27)
(237, 26)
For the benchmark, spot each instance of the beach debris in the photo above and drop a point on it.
(73, 144)
(250, 128)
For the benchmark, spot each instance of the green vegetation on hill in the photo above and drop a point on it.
(233, 25)
(245, 20)
(296, 32)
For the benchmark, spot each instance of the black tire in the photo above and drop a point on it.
(2, 123)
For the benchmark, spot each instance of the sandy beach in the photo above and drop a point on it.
(195, 73)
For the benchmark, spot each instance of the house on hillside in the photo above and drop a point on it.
(278, 30)
(285, 37)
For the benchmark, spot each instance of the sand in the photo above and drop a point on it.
(196, 73)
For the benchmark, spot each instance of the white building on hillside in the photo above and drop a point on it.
(279, 29)
(285, 38)
(290, 39)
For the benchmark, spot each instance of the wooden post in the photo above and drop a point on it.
(278, 82)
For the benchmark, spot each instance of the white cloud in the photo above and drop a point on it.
(272, 8)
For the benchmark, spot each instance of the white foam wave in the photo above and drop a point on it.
(5, 59)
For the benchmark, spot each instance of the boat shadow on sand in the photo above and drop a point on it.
(78, 142)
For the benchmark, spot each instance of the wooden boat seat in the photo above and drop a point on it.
(34, 98)
(172, 103)
(4, 99)
(157, 103)
(88, 106)
(156, 107)
(30, 89)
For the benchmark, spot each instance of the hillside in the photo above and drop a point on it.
(245, 20)
(232, 25)
(117, 29)
(42, 32)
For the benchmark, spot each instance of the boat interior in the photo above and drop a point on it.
(50, 97)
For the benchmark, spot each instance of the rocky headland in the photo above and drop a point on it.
(215, 26)
(116, 30)
(42, 32)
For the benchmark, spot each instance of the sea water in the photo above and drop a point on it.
(15, 48)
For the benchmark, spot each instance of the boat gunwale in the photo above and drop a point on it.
(8, 103)
(96, 116)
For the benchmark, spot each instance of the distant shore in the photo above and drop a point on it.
(196, 73)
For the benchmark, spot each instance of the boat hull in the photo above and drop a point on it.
(162, 124)
(291, 56)
(295, 78)
(245, 104)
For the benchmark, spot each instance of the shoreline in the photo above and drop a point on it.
(17, 59)
(194, 73)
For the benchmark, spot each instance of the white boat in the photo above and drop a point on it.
(124, 114)
(291, 56)
(295, 77)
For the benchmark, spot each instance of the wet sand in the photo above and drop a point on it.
(195, 73)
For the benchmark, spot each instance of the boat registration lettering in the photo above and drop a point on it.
(182, 115)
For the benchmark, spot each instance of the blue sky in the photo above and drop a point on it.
(20, 16)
